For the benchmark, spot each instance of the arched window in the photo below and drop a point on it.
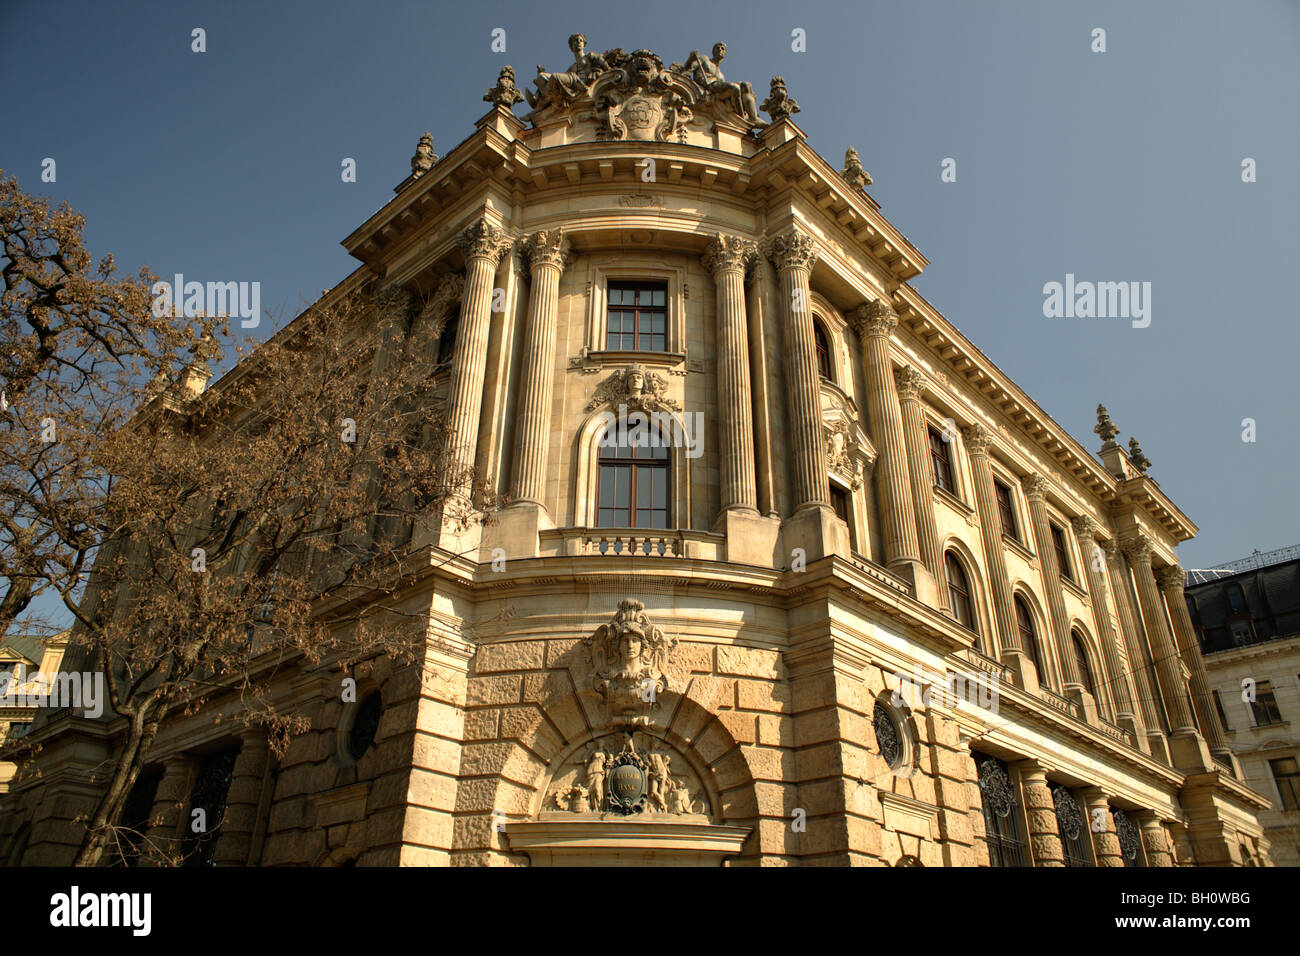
(823, 352)
(1081, 662)
(1236, 599)
(632, 487)
(1028, 636)
(447, 344)
(959, 596)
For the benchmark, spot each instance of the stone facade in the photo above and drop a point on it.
(784, 669)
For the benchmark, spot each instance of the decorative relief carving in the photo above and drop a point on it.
(1129, 839)
(779, 104)
(1138, 549)
(424, 158)
(848, 452)
(634, 387)
(977, 439)
(728, 252)
(887, 739)
(910, 383)
(996, 787)
(504, 93)
(853, 173)
(484, 240)
(641, 201)
(548, 247)
(1171, 578)
(793, 250)
(624, 775)
(1085, 529)
(1035, 486)
(636, 99)
(629, 661)
(873, 318)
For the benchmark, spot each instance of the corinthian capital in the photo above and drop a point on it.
(1138, 549)
(1035, 486)
(1085, 529)
(977, 439)
(873, 318)
(909, 383)
(794, 250)
(728, 252)
(1171, 578)
(482, 240)
(547, 247)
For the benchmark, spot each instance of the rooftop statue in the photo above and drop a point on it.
(853, 173)
(504, 93)
(424, 157)
(779, 104)
(564, 88)
(708, 73)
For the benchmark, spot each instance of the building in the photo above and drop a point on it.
(1247, 619)
(25, 662)
(790, 573)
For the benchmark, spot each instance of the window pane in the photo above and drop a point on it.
(607, 486)
(657, 297)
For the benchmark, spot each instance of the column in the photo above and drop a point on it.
(165, 833)
(919, 472)
(874, 322)
(1138, 655)
(1188, 750)
(1105, 841)
(1036, 493)
(1154, 838)
(794, 256)
(243, 799)
(1171, 578)
(547, 253)
(727, 257)
(483, 245)
(1085, 529)
(1044, 834)
(978, 440)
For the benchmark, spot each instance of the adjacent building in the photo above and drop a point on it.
(1247, 619)
(789, 573)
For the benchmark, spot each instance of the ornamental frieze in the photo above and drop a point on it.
(634, 387)
(629, 663)
(623, 775)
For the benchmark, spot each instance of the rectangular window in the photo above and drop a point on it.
(211, 790)
(941, 456)
(1001, 806)
(1264, 706)
(1286, 774)
(1062, 555)
(1218, 707)
(636, 317)
(1072, 826)
(1006, 510)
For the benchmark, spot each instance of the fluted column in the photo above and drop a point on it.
(1163, 650)
(1138, 655)
(1085, 529)
(874, 322)
(909, 383)
(1155, 840)
(547, 252)
(1171, 578)
(1036, 494)
(1105, 841)
(794, 256)
(239, 822)
(1044, 835)
(483, 245)
(978, 440)
(727, 257)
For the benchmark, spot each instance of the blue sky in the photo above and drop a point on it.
(1115, 166)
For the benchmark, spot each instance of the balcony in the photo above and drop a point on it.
(633, 543)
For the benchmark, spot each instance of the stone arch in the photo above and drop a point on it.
(1101, 678)
(987, 640)
(835, 327)
(1045, 652)
(585, 469)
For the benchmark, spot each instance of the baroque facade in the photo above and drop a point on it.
(1247, 618)
(787, 573)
